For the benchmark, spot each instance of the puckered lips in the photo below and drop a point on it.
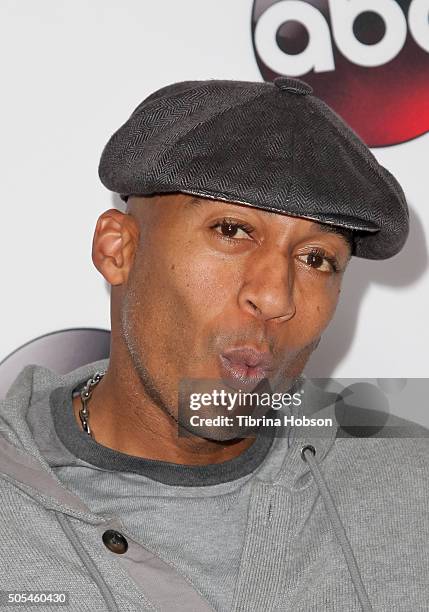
(244, 367)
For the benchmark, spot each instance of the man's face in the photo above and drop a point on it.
(227, 292)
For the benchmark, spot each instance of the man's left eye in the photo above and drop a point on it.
(319, 261)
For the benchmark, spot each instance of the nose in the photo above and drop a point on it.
(267, 289)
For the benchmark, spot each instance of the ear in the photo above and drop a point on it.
(114, 245)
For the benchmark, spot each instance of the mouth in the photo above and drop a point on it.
(245, 366)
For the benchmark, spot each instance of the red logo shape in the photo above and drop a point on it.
(368, 61)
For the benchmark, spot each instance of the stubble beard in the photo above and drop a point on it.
(130, 307)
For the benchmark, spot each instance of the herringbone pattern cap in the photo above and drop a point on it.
(275, 146)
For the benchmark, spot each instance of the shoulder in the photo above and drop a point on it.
(391, 460)
(366, 423)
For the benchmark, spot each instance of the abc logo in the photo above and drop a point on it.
(368, 59)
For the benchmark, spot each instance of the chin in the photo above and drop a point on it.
(215, 433)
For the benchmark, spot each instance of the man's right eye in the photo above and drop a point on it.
(229, 229)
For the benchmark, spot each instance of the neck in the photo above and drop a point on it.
(122, 417)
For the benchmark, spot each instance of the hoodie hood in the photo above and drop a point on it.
(21, 458)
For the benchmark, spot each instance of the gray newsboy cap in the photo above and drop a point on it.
(274, 146)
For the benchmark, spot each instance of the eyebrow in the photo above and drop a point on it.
(333, 229)
(344, 232)
(193, 201)
(326, 227)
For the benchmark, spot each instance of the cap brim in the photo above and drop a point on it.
(346, 221)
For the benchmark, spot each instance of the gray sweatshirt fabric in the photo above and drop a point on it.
(343, 525)
(180, 512)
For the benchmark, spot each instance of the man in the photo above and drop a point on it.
(245, 202)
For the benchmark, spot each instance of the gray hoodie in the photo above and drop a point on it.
(343, 525)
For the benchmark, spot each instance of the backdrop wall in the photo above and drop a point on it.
(72, 72)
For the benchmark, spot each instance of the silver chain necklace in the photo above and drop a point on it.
(85, 396)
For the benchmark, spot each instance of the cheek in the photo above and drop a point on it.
(326, 302)
(204, 288)
(176, 296)
(324, 310)
(316, 304)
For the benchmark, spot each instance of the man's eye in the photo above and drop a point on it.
(319, 261)
(230, 229)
